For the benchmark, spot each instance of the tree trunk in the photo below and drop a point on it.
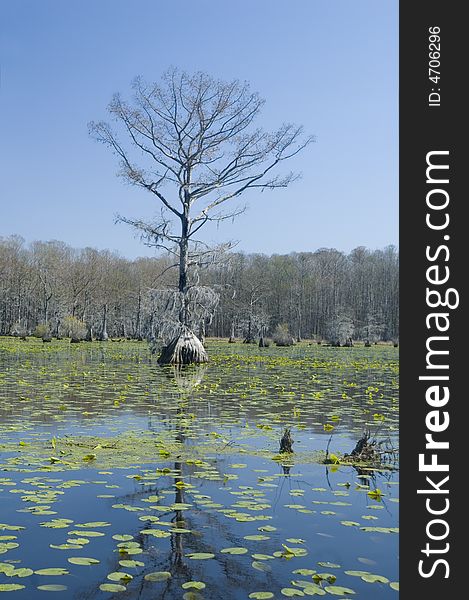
(104, 336)
(138, 333)
(57, 327)
(183, 265)
(202, 332)
(184, 349)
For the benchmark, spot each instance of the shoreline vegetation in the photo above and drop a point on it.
(50, 289)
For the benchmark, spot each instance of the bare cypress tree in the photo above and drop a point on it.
(191, 141)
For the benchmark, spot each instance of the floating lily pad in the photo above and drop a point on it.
(357, 573)
(196, 585)
(158, 576)
(338, 590)
(119, 576)
(11, 587)
(371, 578)
(52, 571)
(290, 592)
(239, 550)
(81, 560)
(51, 587)
(112, 587)
(21, 572)
(260, 566)
(122, 538)
(131, 563)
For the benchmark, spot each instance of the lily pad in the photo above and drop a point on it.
(52, 571)
(290, 592)
(11, 587)
(79, 560)
(371, 578)
(238, 550)
(131, 563)
(158, 576)
(112, 587)
(120, 576)
(196, 585)
(51, 587)
(338, 590)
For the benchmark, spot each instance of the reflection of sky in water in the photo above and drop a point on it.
(247, 402)
(228, 576)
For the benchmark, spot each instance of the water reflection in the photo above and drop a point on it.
(220, 501)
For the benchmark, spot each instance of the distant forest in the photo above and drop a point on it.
(49, 288)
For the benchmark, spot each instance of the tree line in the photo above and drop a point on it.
(52, 289)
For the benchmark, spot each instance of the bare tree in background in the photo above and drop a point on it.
(192, 143)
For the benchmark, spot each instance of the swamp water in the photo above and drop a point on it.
(123, 479)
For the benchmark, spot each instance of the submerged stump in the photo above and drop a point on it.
(365, 451)
(286, 443)
(184, 349)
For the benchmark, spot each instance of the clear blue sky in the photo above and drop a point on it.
(331, 65)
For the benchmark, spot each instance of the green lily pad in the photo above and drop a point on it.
(119, 576)
(290, 592)
(239, 550)
(371, 578)
(112, 587)
(196, 585)
(87, 533)
(11, 587)
(200, 555)
(313, 590)
(131, 563)
(93, 524)
(83, 561)
(52, 571)
(381, 529)
(338, 590)
(22, 572)
(158, 576)
(51, 587)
